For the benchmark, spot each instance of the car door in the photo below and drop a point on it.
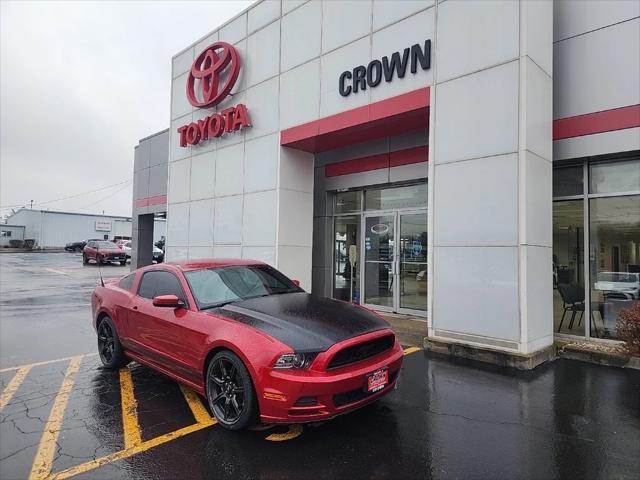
(169, 337)
(90, 250)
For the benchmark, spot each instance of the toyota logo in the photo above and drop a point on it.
(218, 63)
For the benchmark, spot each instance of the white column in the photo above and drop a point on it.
(490, 176)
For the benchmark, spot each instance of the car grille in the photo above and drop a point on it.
(353, 396)
(361, 351)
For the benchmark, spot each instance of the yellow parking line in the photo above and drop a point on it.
(197, 409)
(409, 350)
(130, 423)
(13, 385)
(46, 362)
(128, 452)
(43, 461)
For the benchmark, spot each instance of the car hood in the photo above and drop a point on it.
(305, 322)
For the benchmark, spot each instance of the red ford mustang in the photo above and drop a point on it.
(248, 339)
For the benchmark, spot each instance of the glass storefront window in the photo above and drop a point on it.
(614, 257)
(612, 277)
(346, 285)
(567, 181)
(411, 196)
(615, 177)
(348, 202)
(568, 267)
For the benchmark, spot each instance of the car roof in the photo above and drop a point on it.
(202, 263)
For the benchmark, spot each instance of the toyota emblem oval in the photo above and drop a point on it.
(379, 229)
(217, 63)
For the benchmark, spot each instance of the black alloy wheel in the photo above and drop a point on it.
(109, 347)
(230, 392)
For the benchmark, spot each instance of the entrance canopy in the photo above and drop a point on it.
(393, 116)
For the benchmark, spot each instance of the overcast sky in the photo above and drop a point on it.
(81, 83)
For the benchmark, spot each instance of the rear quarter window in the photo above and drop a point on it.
(127, 282)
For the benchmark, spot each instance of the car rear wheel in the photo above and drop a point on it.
(230, 392)
(123, 262)
(109, 347)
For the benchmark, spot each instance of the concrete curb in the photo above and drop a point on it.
(620, 359)
(496, 357)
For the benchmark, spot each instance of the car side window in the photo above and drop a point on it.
(160, 283)
(127, 281)
(90, 244)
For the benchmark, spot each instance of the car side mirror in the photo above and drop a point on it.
(169, 301)
(296, 282)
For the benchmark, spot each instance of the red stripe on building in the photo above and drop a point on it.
(597, 122)
(400, 114)
(148, 202)
(377, 162)
(409, 156)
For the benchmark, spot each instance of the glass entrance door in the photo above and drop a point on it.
(379, 261)
(395, 262)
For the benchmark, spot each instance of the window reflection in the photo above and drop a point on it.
(615, 177)
(347, 202)
(614, 259)
(411, 196)
(346, 278)
(568, 266)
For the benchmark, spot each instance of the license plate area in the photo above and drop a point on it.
(377, 380)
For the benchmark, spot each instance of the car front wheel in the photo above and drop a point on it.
(230, 392)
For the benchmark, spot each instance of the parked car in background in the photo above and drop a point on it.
(102, 251)
(249, 339)
(158, 255)
(75, 246)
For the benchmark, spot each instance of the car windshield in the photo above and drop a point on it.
(214, 287)
(106, 245)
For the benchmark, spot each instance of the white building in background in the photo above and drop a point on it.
(479, 160)
(51, 229)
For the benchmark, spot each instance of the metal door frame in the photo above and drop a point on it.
(363, 263)
(395, 264)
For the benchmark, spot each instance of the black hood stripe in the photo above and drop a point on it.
(305, 322)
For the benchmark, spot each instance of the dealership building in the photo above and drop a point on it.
(472, 164)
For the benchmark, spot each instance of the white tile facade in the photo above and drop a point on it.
(490, 174)
(493, 68)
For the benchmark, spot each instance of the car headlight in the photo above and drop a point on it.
(295, 360)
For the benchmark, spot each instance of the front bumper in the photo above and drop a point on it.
(336, 392)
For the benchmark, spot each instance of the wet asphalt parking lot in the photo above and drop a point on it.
(62, 416)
